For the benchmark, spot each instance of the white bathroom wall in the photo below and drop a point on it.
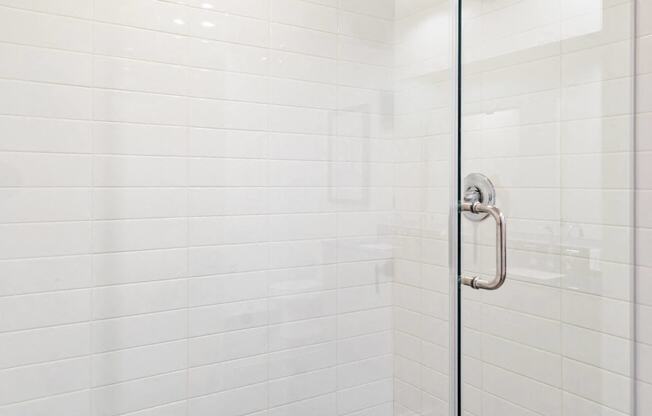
(422, 133)
(643, 217)
(241, 207)
(195, 207)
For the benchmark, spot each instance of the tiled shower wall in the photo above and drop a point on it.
(643, 199)
(422, 133)
(203, 209)
(195, 204)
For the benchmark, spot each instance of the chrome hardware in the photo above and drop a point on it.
(479, 197)
(478, 188)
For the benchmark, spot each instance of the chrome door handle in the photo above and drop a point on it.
(479, 190)
(501, 247)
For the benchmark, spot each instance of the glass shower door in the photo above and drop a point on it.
(546, 116)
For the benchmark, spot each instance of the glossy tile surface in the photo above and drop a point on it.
(240, 207)
(195, 216)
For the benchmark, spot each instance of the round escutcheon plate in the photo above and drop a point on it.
(478, 188)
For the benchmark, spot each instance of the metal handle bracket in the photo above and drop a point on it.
(479, 199)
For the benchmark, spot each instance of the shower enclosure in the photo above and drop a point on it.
(325, 208)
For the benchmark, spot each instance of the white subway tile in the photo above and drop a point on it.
(138, 330)
(214, 319)
(49, 379)
(44, 204)
(138, 107)
(221, 85)
(124, 365)
(597, 313)
(227, 230)
(45, 135)
(298, 66)
(130, 235)
(598, 385)
(303, 13)
(139, 266)
(367, 395)
(131, 396)
(302, 333)
(131, 203)
(301, 279)
(44, 169)
(302, 253)
(227, 172)
(77, 8)
(73, 404)
(131, 42)
(227, 346)
(227, 375)
(226, 201)
(302, 360)
(227, 115)
(363, 347)
(46, 30)
(23, 98)
(302, 94)
(132, 75)
(227, 288)
(303, 306)
(301, 40)
(228, 56)
(205, 261)
(45, 239)
(44, 344)
(321, 405)
(303, 386)
(139, 171)
(228, 27)
(253, 8)
(146, 14)
(46, 65)
(234, 402)
(33, 275)
(139, 298)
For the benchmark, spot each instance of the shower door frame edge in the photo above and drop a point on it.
(454, 212)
